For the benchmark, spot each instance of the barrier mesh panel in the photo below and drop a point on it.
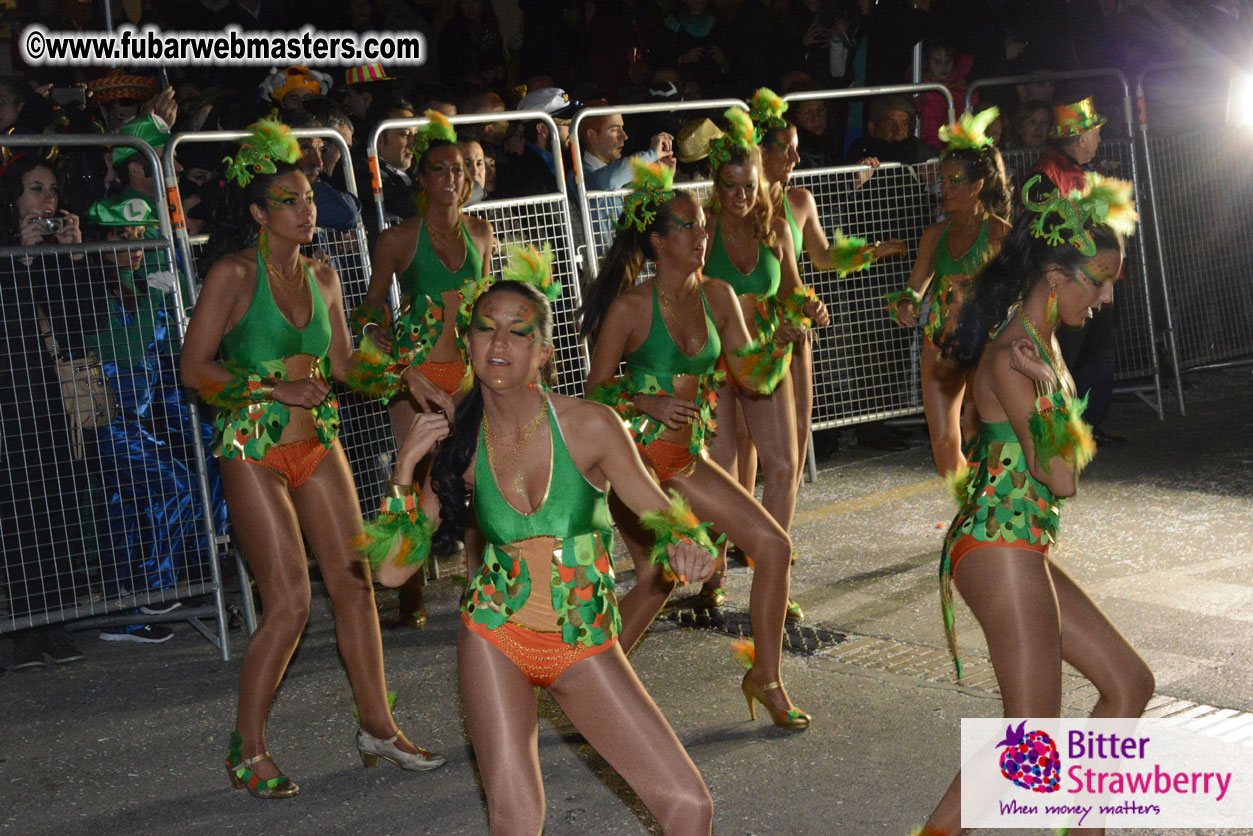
(105, 515)
(1135, 355)
(1204, 181)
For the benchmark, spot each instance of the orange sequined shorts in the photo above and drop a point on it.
(542, 657)
(967, 543)
(668, 459)
(296, 461)
(447, 376)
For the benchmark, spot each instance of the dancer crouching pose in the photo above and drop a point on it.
(436, 256)
(1057, 266)
(540, 610)
(670, 332)
(975, 199)
(283, 470)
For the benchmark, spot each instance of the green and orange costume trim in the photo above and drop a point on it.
(401, 532)
(673, 525)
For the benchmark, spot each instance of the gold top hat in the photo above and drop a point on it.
(693, 141)
(1074, 119)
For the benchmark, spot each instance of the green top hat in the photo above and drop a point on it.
(151, 129)
(1074, 119)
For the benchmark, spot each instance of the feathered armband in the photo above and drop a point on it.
(850, 254)
(792, 307)
(373, 373)
(245, 389)
(891, 300)
(365, 315)
(673, 525)
(1058, 429)
(761, 365)
(401, 533)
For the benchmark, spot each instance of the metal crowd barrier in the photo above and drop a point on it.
(1136, 363)
(1199, 175)
(526, 220)
(365, 429)
(129, 521)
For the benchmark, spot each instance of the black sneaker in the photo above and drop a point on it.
(160, 607)
(27, 651)
(146, 633)
(59, 648)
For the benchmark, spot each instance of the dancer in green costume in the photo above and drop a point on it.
(437, 257)
(975, 199)
(540, 609)
(1057, 266)
(278, 320)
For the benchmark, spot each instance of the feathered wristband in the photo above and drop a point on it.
(851, 254)
(365, 315)
(891, 300)
(761, 365)
(672, 525)
(242, 390)
(792, 307)
(373, 373)
(401, 533)
(1058, 429)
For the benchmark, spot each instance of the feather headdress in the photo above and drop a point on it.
(969, 131)
(269, 141)
(649, 189)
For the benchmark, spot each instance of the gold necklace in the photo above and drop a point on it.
(446, 240)
(514, 450)
(288, 282)
(1046, 347)
(674, 305)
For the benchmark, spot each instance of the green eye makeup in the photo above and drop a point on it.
(280, 196)
(1095, 275)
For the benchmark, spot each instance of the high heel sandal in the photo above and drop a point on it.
(793, 718)
(794, 611)
(243, 778)
(710, 598)
(372, 749)
(415, 619)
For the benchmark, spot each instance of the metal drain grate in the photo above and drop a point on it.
(798, 638)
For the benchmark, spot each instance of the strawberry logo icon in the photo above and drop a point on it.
(1030, 759)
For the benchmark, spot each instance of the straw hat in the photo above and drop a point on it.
(693, 141)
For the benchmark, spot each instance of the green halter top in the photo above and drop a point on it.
(762, 281)
(797, 243)
(661, 356)
(574, 512)
(264, 333)
(426, 275)
(951, 274)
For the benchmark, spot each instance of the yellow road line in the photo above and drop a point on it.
(861, 503)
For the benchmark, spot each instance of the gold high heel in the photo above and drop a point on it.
(794, 612)
(372, 749)
(793, 718)
(243, 778)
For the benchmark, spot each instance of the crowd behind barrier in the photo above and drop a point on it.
(865, 368)
(111, 506)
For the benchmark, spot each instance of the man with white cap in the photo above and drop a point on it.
(532, 171)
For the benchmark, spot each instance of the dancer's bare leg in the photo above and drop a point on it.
(1034, 616)
(603, 698)
(942, 389)
(772, 423)
(268, 532)
(500, 710)
(803, 397)
(330, 517)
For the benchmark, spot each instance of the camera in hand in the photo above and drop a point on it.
(53, 226)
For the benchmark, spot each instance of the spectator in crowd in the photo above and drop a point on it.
(471, 46)
(336, 209)
(695, 45)
(327, 112)
(200, 204)
(532, 171)
(477, 171)
(691, 149)
(1031, 123)
(602, 139)
(140, 182)
(942, 65)
(820, 144)
(890, 138)
(45, 453)
(434, 97)
(395, 157)
(1089, 353)
(363, 86)
(287, 88)
(1037, 90)
(13, 95)
(120, 95)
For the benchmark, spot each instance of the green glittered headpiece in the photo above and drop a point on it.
(270, 141)
(439, 128)
(740, 134)
(649, 189)
(969, 131)
(766, 109)
(1103, 201)
(528, 265)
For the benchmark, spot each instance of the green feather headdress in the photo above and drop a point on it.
(740, 133)
(649, 189)
(269, 141)
(766, 109)
(534, 267)
(438, 128)
(969, 131)
(1102, 201)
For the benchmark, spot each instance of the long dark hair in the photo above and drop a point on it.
(11, 188)
(457, 451)
(621, 267)
(1008, 279)
(235, 228)
(986, 164)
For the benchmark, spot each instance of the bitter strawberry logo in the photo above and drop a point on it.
(1030, 759)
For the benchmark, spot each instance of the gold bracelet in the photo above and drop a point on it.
(265, 391)
(400, 490)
